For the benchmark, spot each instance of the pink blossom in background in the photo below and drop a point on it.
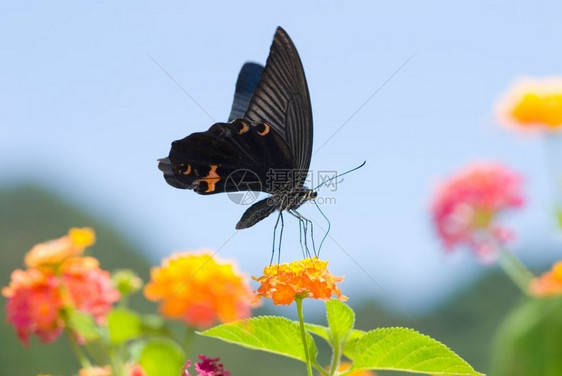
(466, 206)
(89, 286)
(206, 367)
(57, 279)
(210, 367)
(34, 304)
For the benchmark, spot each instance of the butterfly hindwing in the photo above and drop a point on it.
(248, 80)
(227, 154)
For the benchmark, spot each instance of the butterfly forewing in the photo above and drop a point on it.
(282, 100)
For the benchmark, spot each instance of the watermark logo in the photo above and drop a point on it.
(247, 187)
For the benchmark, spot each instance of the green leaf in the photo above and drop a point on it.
(340, 320)
(154, 325)
(321, 331)
(324, 333)
(277, 335)
(124, 325)
(529, 341)
(83, 323)
(558, 214)
(351, 342)
(162, 357)
(402, 349)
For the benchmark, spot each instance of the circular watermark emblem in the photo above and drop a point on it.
(247, 185)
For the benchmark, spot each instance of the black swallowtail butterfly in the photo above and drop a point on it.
(269, 130)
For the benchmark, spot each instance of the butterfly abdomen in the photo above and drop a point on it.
(289, 200)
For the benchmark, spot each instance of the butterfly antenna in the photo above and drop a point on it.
(340, 175)
(329, 225)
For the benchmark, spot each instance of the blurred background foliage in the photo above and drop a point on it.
(466, 322)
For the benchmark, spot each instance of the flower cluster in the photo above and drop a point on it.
(548, 284)
(344, 366)
(206, 367)
(130, 370)
(308, 278)
(58, 279)
(466, 206)
(200, 289)
(532, 104)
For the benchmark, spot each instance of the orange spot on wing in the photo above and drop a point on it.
(265, 130)
(187, 170)
(244, 128)
(211, 179)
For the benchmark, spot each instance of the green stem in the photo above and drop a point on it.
(188, 339)
(336, 355)
(320, 369)
(84, 361)
(515, 269)
(116, 360)
(303, 334)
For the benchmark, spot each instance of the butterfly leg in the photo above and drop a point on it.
(327, 231)
(304, 224)
(303, 246)
(309, 222)
(279, 217)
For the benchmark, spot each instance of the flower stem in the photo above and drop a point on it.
(303, 334)
(336, 354)
(82, 358)
(515, 269)
(188, 339)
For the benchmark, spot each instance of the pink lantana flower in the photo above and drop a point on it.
(206, 367)
(130, 369)
(58, 279)
(89, 286)
(466, 206)
(34, 305)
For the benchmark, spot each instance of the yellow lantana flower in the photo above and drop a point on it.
(200, 289)
(532, 104)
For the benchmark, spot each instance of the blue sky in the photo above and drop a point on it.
(86, 112)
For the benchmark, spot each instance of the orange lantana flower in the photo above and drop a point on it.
(548, 284)
(200, 289)
(346, 365)
(532, 104)
(95, 371)
(308, 278)
(55, 251)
